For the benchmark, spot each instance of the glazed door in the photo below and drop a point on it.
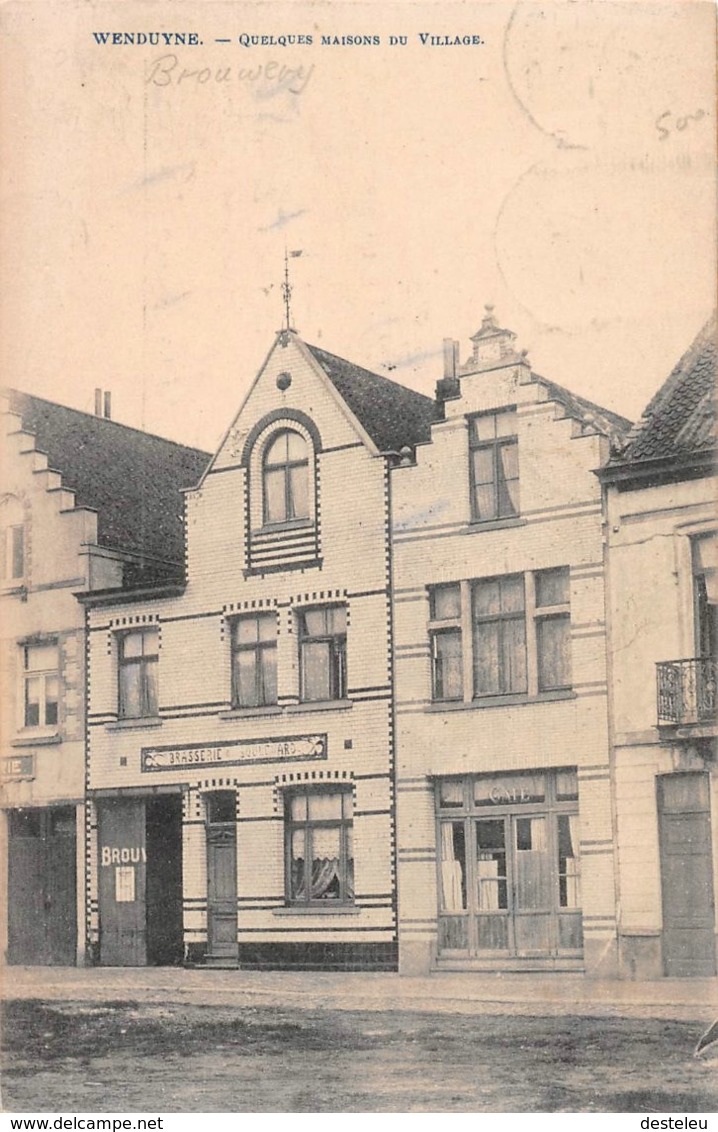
(221, 877)
(122, 880)
(534, 884)
(684, 824)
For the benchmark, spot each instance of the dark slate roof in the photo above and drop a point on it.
(588, 412)
(392, 415)
(678, 424)
(131, 478)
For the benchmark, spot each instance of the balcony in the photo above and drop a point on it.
(687, 694)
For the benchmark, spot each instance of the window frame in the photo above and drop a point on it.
(501, 619)
(336, 643)
(465, 627)
(345, 824)
(148, 691)
(42, 675)
(286, 467)
(260, 647)
(494, 445)
(443, 627)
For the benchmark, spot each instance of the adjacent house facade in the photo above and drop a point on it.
(503, 778)
(85, 503)
(241, 743)
(662, 581)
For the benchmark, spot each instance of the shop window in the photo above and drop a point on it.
(319, 851)
(509, 864)
(137, 669)
(254, 660)
(40, 684)
(323, 653)
(285, 476)
(493, 451)
(513, 633)
(447, 677)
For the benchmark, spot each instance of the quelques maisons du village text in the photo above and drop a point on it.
(247, 40)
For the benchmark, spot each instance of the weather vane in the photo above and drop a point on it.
(287, 288)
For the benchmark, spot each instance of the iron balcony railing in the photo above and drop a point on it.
(687, 691)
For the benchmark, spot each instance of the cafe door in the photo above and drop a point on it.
(509, 867)
(222, 877)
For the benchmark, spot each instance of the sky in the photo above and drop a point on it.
(560, 165)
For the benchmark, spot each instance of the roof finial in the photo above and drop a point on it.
(287, 288)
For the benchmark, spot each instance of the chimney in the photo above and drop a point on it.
(98, 402)
(108, 405)
(448, 386)
(451, 357)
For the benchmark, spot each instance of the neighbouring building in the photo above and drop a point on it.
(661, 493)
(85, 503)
(504, 807)
(240, 728)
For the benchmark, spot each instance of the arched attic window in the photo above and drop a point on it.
(285, 478)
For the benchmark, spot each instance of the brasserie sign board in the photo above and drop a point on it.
(288, 748)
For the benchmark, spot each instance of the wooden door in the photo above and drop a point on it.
(61, 886)
(26, 888)
(122, 879)
(222, 877)
(684, 824)
(42, 897)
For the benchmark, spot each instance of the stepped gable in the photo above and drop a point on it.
(131, 478)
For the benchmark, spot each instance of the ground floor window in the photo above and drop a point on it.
(509, 865)
(319, 852)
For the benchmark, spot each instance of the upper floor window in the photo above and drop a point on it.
(705, 594)
(319, 853)
(12, 539)
(445, 639)
(40, 685)
(286, 478)
(137, 668)
(499, 614)
(323, 653)
(254, 660)
(513, 633)
(493, 452)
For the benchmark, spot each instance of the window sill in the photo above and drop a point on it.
(289, 525)
(40, 739)
(495, 524)
(139, 724)
(317, 910)
(319, 705)
(251, 712)
(500, 701)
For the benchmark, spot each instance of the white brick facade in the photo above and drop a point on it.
(437, 540)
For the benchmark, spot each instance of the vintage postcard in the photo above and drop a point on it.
(359, 557)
